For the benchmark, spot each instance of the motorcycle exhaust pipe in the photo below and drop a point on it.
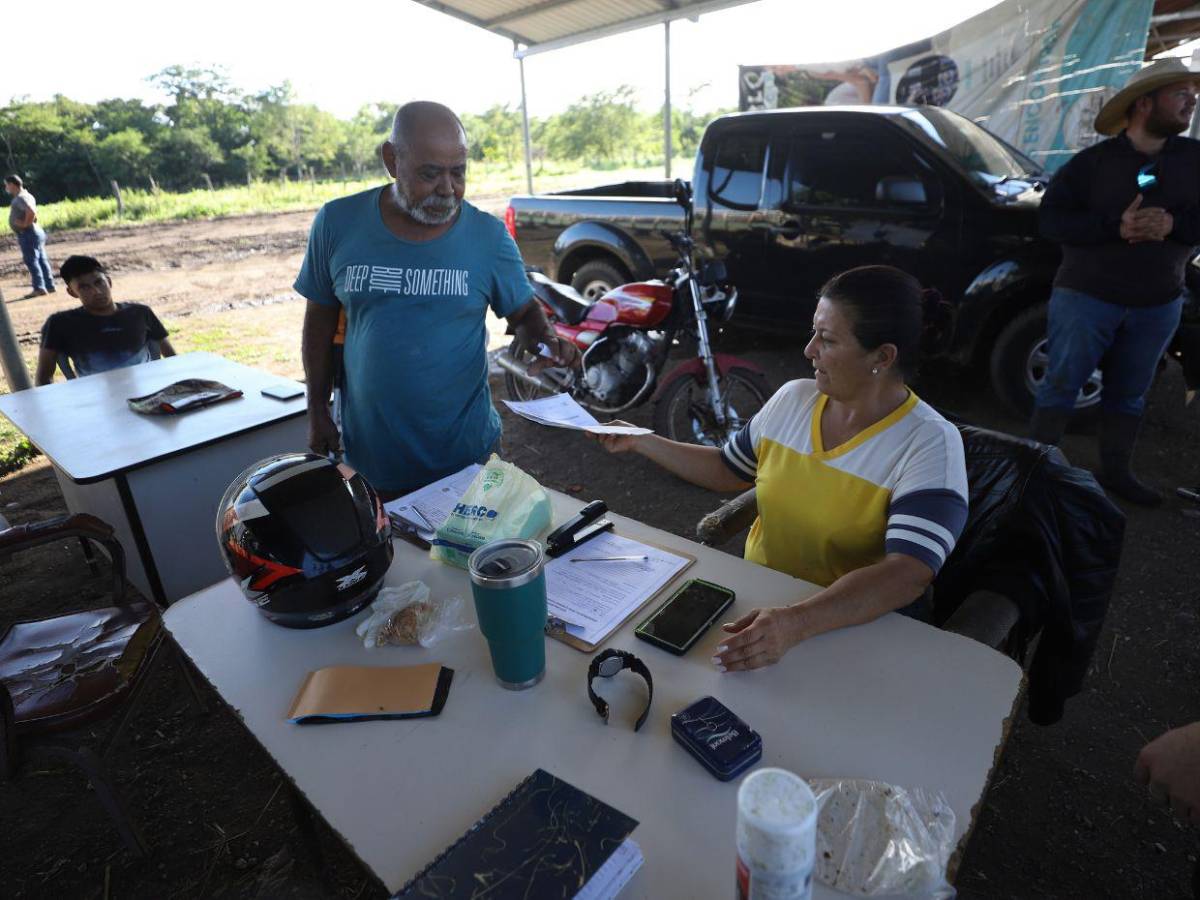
(505, 361)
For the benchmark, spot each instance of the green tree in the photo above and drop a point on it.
(124, 156)
(181, 154)
(598, 127)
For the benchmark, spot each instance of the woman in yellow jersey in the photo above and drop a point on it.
(861, 485)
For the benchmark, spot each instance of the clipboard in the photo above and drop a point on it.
(556, 628)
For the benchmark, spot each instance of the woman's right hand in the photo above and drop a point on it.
(617, 443)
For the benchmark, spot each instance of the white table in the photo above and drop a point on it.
(895, 700)
(157, 479)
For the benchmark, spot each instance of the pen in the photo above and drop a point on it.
(607, 558)
(428, 524)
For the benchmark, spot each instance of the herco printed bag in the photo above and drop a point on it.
(502, 502)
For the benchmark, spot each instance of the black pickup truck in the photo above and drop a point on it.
(789, 198)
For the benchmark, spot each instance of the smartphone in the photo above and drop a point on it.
(285, 391)
(719, 740)
(678, 623)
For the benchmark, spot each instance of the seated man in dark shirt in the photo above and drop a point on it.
(99, 335)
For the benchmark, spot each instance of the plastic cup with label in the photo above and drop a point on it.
(776, 836)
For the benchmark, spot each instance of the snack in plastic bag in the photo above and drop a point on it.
(876, 840)
(502, 502)
(405, 615)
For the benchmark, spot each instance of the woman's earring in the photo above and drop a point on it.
(875, 370)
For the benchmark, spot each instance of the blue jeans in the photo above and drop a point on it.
(1130, 339)
(33, 250)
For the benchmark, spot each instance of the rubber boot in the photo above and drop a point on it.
(1048, 424)
(1118, 435)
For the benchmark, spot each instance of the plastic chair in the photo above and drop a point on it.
(62, 674)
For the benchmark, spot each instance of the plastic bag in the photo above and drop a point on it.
(878, 840)
(405, 615)
(502, 502)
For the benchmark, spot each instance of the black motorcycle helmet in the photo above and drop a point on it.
(307, 539)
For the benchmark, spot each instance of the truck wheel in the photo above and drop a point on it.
(596, 278)
(684, 414)
(1018, 366)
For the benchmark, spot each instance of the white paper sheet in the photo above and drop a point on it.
(593, 598)
(432, 504)
(561, 411)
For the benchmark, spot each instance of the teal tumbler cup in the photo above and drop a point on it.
(508, 583)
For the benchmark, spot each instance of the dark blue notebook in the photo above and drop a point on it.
(546, 839)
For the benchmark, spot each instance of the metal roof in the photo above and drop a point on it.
(549, 24)
(1174, 22)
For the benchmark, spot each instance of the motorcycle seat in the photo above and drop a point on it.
(566, 302)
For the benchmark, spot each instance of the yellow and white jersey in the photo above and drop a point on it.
(899, 486)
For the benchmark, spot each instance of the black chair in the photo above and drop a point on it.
(61, 675)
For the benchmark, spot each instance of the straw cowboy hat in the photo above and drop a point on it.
(1111, 118)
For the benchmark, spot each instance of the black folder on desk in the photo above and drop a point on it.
(545, 839)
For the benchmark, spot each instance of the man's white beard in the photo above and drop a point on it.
(433, 210)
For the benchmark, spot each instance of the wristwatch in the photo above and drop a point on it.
(608, 663)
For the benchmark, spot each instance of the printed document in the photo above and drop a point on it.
(594, 596)
(561, 411)
(427, 508)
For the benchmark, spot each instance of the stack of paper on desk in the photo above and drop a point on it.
(427, 508)
(593, 595)
(561, 411)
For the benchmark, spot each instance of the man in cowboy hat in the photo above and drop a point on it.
(1127, 213)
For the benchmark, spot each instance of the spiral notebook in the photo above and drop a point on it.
(547, 838)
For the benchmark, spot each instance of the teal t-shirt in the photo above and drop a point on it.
(416, 402)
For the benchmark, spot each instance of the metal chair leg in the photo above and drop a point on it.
(90, 555)
(106, 790)
(185, 670)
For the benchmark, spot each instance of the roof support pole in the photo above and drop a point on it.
(10, 354)
(525, 125)
(667, 99)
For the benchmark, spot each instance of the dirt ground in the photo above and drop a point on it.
(1062, 818)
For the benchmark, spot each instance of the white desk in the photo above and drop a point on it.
(895, 700)
(157, 479)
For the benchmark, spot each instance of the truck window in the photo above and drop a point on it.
(737, 170)
(832, 168)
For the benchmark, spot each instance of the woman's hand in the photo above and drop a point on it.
(760, 638)
(617, 443)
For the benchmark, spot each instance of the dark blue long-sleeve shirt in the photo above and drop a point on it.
(1082, 211)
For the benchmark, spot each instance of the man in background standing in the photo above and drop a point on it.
(1127, 213)
(22, 218)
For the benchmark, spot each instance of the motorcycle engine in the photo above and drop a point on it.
(618, 366)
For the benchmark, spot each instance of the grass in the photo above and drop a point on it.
(15, 450)
(274, 196)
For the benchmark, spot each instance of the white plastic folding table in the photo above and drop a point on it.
(157, 479)
(895, 700)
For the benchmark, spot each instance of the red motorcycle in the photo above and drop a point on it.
(625, 337)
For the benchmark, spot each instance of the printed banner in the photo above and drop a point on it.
(1033, 72)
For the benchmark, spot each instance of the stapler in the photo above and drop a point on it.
(589, 522)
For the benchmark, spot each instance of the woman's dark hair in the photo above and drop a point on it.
(13, 179)
(888, 306)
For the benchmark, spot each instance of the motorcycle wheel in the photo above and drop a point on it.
(683, 413)
(519, 389)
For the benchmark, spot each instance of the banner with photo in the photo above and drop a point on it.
(1034, 72)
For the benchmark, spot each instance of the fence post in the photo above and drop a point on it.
(207, 181)
(116, 189)
(10, 353)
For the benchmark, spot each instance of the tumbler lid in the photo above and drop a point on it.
(506, 563)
